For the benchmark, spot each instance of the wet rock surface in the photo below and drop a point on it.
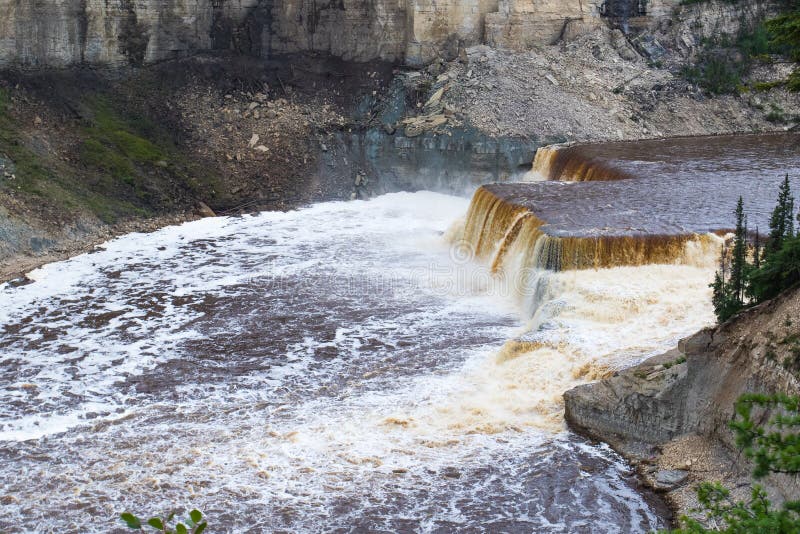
(674, 425)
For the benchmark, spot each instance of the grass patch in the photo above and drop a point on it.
(109, 210)
(140, 157)
(675, 362)
(96, 154)
(29, 169)
(117, 145)
(791, 339)
(110, 151)
(121, 164)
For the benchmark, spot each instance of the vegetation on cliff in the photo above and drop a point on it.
(87, 151)
(785, 31)
(766, 426)
(727, 59)
(740, 282)
(774, 446)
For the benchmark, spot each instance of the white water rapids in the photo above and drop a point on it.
(335, 368)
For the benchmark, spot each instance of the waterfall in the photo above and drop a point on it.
(506, 232)
(516, 244)
(571, 164)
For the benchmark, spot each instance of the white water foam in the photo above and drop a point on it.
(332, 368)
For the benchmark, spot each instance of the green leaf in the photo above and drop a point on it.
(200, 528)
(180, 528)
(170, 517)
(131, 520)
(156, 522)
(196, 516)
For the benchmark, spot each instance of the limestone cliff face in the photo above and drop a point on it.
(354, 30)
(58, 33)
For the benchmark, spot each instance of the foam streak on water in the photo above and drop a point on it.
(335, 368)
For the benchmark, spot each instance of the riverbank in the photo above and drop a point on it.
(17, 266)
(669, 415)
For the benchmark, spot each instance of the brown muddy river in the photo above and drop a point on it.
(329, 369)
(339, 368)
(664, 186)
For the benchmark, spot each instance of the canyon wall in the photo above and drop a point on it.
(59, 33)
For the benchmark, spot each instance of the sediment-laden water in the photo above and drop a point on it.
(336, 368)
(660, 186)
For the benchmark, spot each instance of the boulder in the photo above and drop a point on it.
(669, 479)
(203, 210)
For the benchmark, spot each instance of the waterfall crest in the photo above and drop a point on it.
(511, 237)
(569, 164)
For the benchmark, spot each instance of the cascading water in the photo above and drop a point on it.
(670, 160)
(565, 163)
(339, 367)
(501, 228)
(366, 365)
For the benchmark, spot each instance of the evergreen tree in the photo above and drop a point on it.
(774, 445)
(781, 224)
(739, 256)
(780, 271)
(729, 294)
(757, 251)
(785, 32)
(788, 212)
(772, 272)
(719, 296)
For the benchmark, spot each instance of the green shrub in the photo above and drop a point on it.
(774, 446)
(793, 81)
(776, 115)
(195, 524)
(785, 33)
(720, 74)
(767, 86)
(717, 74)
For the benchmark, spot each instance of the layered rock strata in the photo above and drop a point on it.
(58, 33)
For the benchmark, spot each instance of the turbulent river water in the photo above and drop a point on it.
(337, 368)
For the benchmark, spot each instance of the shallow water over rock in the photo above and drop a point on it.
(663, 186)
